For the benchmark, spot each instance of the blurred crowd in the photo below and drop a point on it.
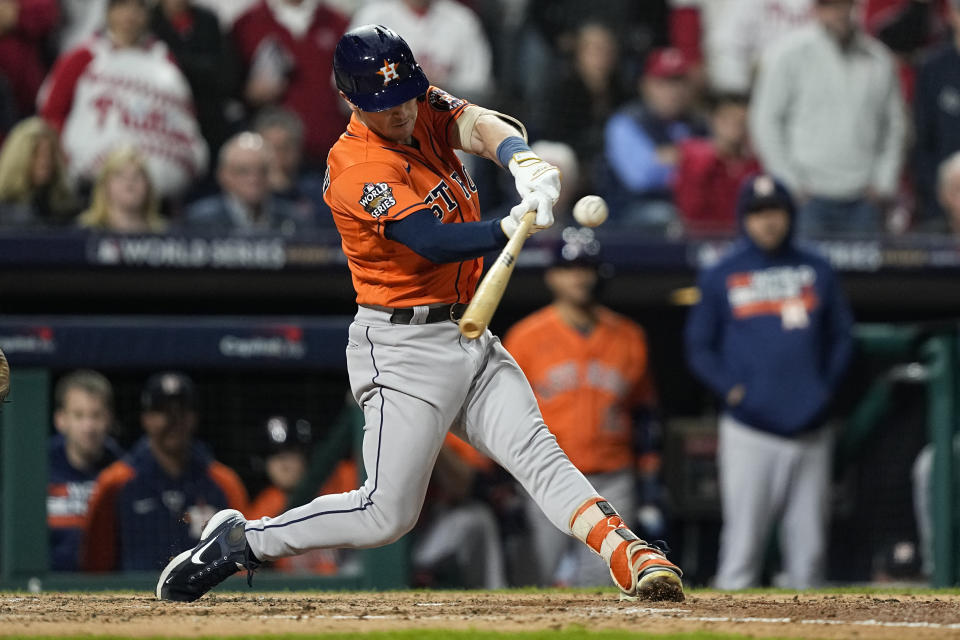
(215, 116)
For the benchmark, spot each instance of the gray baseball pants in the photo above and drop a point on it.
(414, 383)
(767, 479)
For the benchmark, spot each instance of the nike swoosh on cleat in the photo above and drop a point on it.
(195, 558)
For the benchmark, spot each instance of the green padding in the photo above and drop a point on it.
(24, 422)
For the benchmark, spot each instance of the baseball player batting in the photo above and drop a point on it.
(409, 218)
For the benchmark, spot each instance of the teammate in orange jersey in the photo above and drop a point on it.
(409, 218)
(589, 370)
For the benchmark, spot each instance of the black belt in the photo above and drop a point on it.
(436, 314)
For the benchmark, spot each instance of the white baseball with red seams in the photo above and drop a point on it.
(590, 211)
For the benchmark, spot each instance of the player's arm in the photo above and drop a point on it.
(703, 336)
(429, 238)
(503, 139)
(480, 131)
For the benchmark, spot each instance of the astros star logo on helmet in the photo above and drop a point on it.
(388, 71)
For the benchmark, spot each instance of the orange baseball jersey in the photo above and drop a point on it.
(371, 180)
(586, 385)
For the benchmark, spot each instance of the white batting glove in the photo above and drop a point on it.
(533, 202)
(536, 176)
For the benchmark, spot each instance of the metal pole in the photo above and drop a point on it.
(941, 418)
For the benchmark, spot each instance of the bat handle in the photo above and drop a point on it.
(523, 229)
(478, 313)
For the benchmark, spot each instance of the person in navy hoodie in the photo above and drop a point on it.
(771, 337)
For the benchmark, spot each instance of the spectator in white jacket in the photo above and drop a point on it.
(120, 88)
(736, 37)
(828, 118)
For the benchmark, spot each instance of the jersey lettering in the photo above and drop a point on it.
(442, 190)
(68, 499)
(778, 291)
(566, 377)
(466, 191)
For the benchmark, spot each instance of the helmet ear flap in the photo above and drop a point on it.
(375, 69)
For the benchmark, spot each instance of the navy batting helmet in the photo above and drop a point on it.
(376, 70)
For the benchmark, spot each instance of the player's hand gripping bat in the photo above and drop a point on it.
(490, 290)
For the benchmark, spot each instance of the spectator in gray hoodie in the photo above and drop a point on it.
(828, 118)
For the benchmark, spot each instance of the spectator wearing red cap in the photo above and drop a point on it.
(641, 144)
(711, 169)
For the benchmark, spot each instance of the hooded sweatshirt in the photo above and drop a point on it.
(775, 322)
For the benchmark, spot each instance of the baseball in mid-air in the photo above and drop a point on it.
(590, 211)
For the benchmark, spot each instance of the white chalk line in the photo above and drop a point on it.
(865, 623)
(673, 614)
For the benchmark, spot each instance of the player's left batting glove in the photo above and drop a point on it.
(535, 176)
(533, 202)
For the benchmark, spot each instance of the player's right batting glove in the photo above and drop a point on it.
(534, 202)
(535, 176)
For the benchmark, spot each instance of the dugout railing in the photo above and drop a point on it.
(928, 355)
(38, 346)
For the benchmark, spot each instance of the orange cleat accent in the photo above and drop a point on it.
(641, 570)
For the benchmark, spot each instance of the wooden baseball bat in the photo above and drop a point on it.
(490, 290)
